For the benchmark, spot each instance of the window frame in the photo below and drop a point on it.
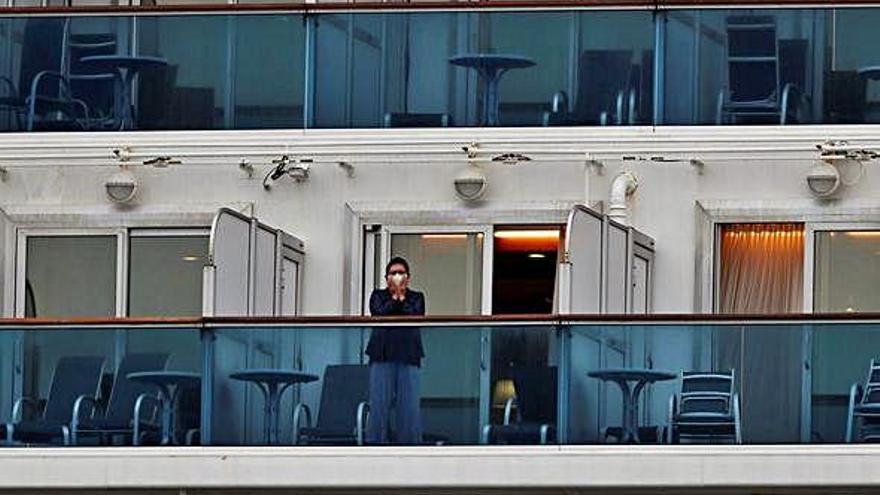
(123, 236)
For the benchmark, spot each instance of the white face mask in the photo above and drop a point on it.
(398, 278)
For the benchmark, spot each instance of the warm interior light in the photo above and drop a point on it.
(537, 256)
(527, 234)
(863, 233)
(443, 236)
(190, 258)
(504, 389)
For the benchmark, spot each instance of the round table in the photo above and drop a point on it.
(639, 378)
(272, 383)
(168, 383)
(491, 67)
(127, 67)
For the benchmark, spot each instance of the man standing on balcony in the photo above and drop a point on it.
(395, 356)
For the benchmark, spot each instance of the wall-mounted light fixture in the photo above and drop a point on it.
(470, 184)
(122, 186)
(823, 180)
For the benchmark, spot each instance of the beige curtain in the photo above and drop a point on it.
(762, 268)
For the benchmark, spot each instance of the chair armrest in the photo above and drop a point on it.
(546, 431)
(559, 102)
(737, 423)
(719, 106)
(855, 395)
(618, 108)
(508, 410)
(192, 436)
(43, 75)
(141, 404)
(298, 412)
(671, 428)
(631, 108)
(82, 402)
(363, 415)
(18, 407)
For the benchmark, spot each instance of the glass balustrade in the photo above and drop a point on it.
(520, 68)
(488, 381)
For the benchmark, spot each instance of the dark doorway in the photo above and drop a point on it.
(524, 269)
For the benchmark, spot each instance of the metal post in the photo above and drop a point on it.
(207, 338)
(659, 65)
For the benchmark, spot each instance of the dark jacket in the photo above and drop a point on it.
(396, 344)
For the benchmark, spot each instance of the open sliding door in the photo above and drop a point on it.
(452, 265)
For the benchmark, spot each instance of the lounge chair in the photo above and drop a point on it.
(863, 413)
(342, 416)
(706, 410)
(129, 403)
(534, 418)
(74, 377)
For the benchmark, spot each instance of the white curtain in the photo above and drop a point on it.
(762, 272)
(762, 268)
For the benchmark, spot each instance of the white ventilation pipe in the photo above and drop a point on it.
(623, 185)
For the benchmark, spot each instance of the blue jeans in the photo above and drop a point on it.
(396, 385)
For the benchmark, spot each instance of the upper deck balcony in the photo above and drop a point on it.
(773, 384)
(355, 66)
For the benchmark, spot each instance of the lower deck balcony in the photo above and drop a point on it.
(697, 404)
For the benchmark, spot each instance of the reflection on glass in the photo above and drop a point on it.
(70, 276)
(792, 380)
(448, 268)
(742, 67)
(847, 267)
(398, 69)
(395, 69)
(165, 275)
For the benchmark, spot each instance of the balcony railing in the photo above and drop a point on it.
(483, 380)
(417, 68)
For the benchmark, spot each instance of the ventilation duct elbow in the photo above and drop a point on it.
(623, 185)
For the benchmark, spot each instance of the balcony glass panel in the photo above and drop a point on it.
(479, 69)
(480, 382)
(178, 72)
(434, 69)
(773, 67)
(52, 374)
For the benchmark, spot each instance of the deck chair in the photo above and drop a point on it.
(605, 92)
(130, 402)
(756, 91)
(54, 92)
(706, 410)
(74, 377)
(534, 420)
(342, 417)
(863, 413)
(91, 86)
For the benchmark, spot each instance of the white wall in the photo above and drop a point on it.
(766, 183)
